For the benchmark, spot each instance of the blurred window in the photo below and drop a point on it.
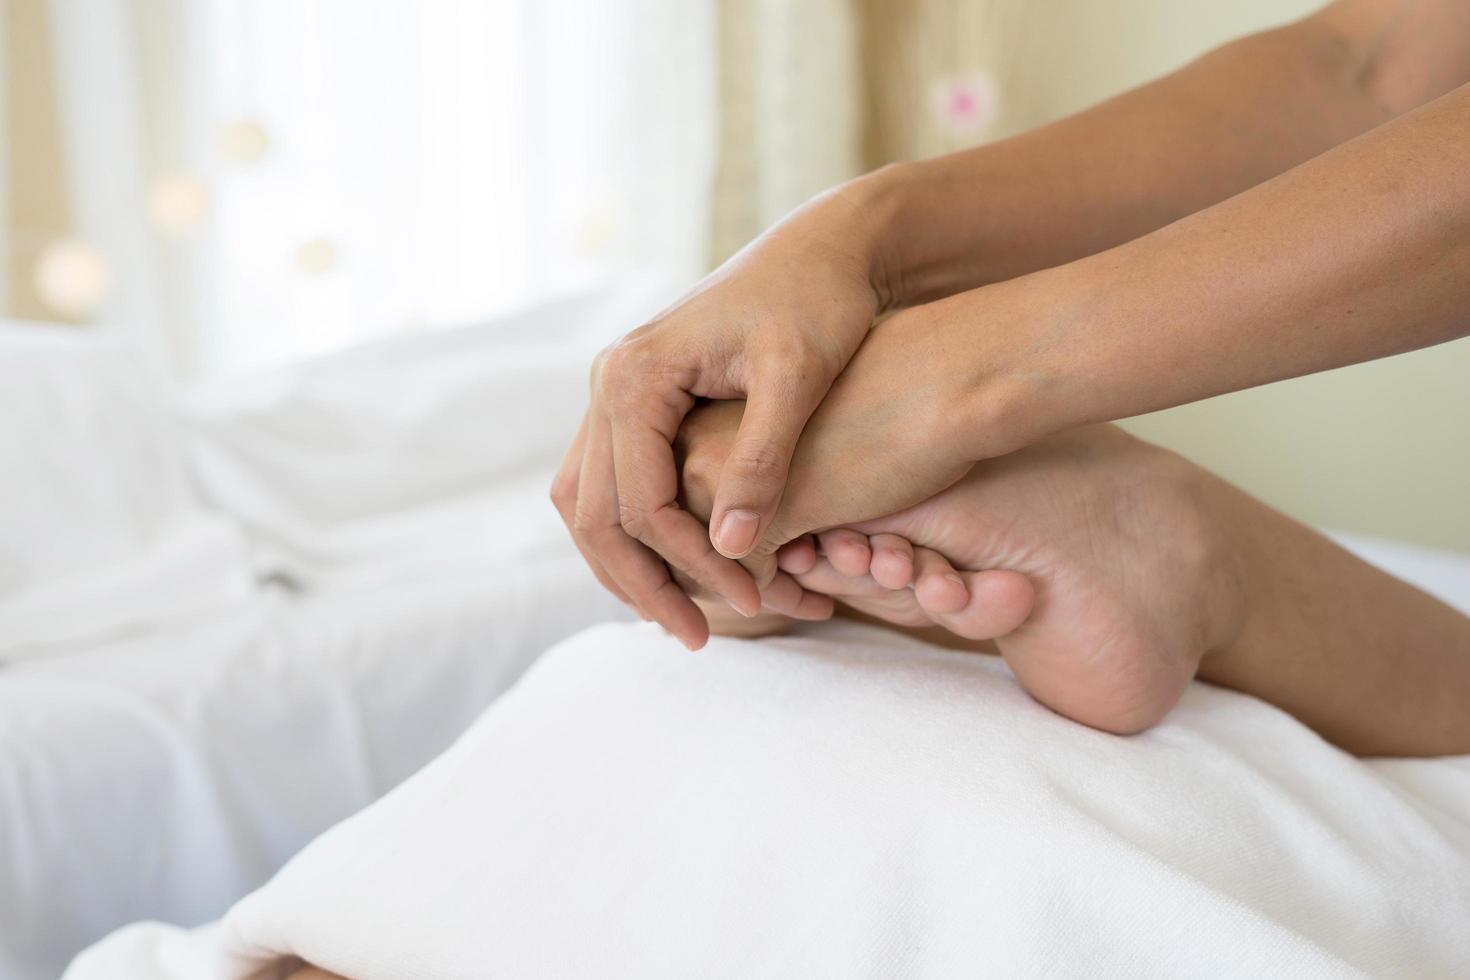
(276, 178)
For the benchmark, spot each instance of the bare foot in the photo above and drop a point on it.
(1087, 558)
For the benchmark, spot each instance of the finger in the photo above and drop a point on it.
(893, 561)
(937, 586)
(754, 475)
(798, 555)
(1000, 601)
(848, 551)
(783, 595)
(636, 569)
(564, 498)
(646, 485)
(606, 580)
(762, 567)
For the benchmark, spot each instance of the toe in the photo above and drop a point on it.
(939, 588)
(999, 602)
(848, 551)
(826, 579)
(798, 555)
(786, 596)
(893, 561)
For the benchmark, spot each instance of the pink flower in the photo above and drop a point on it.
(964, 104)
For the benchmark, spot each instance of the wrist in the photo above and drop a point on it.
(1016, 356)
(957, 222)
(869, 210)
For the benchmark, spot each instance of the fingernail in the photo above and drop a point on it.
(737, 532)
(955, 579)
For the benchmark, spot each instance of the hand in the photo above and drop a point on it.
(774, 325)
(931, 391)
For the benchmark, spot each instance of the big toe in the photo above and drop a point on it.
(999, 602)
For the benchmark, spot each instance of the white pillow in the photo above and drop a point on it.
(101, 530)
(846, 802)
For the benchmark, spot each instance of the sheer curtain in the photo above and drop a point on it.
(281, 177)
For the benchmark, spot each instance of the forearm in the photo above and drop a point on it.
(1361, 253)
(1230, 120)
(1371, 663)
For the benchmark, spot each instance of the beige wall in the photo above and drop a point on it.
(1381, 448)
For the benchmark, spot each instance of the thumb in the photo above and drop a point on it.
(754, 474)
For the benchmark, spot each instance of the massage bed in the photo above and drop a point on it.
(366, 577)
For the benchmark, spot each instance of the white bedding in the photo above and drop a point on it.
(174, 720)
(101, 531)
(175, 733)
(165, 776)
(849, 803)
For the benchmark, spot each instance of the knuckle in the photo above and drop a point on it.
(798, 366)
(761, 564)
(641, 334)
(623, 370)
(563, 491)
(584, 522)
(632, 352)
(600, 365)
(759, 463)
(620, 359)
(634, 520)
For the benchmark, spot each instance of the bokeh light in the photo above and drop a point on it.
(177, 202)
(316, 257)
(72, 277)
(243, 141)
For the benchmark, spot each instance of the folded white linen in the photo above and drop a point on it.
(845, 803)
(102, 532)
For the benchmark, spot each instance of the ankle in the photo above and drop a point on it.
(1225, 582)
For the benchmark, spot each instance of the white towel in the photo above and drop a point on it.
(848, 803)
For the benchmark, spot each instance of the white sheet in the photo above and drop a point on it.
(187, 731)
(375, 460)
(850, 803)
(165, 776)
(101, 530)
